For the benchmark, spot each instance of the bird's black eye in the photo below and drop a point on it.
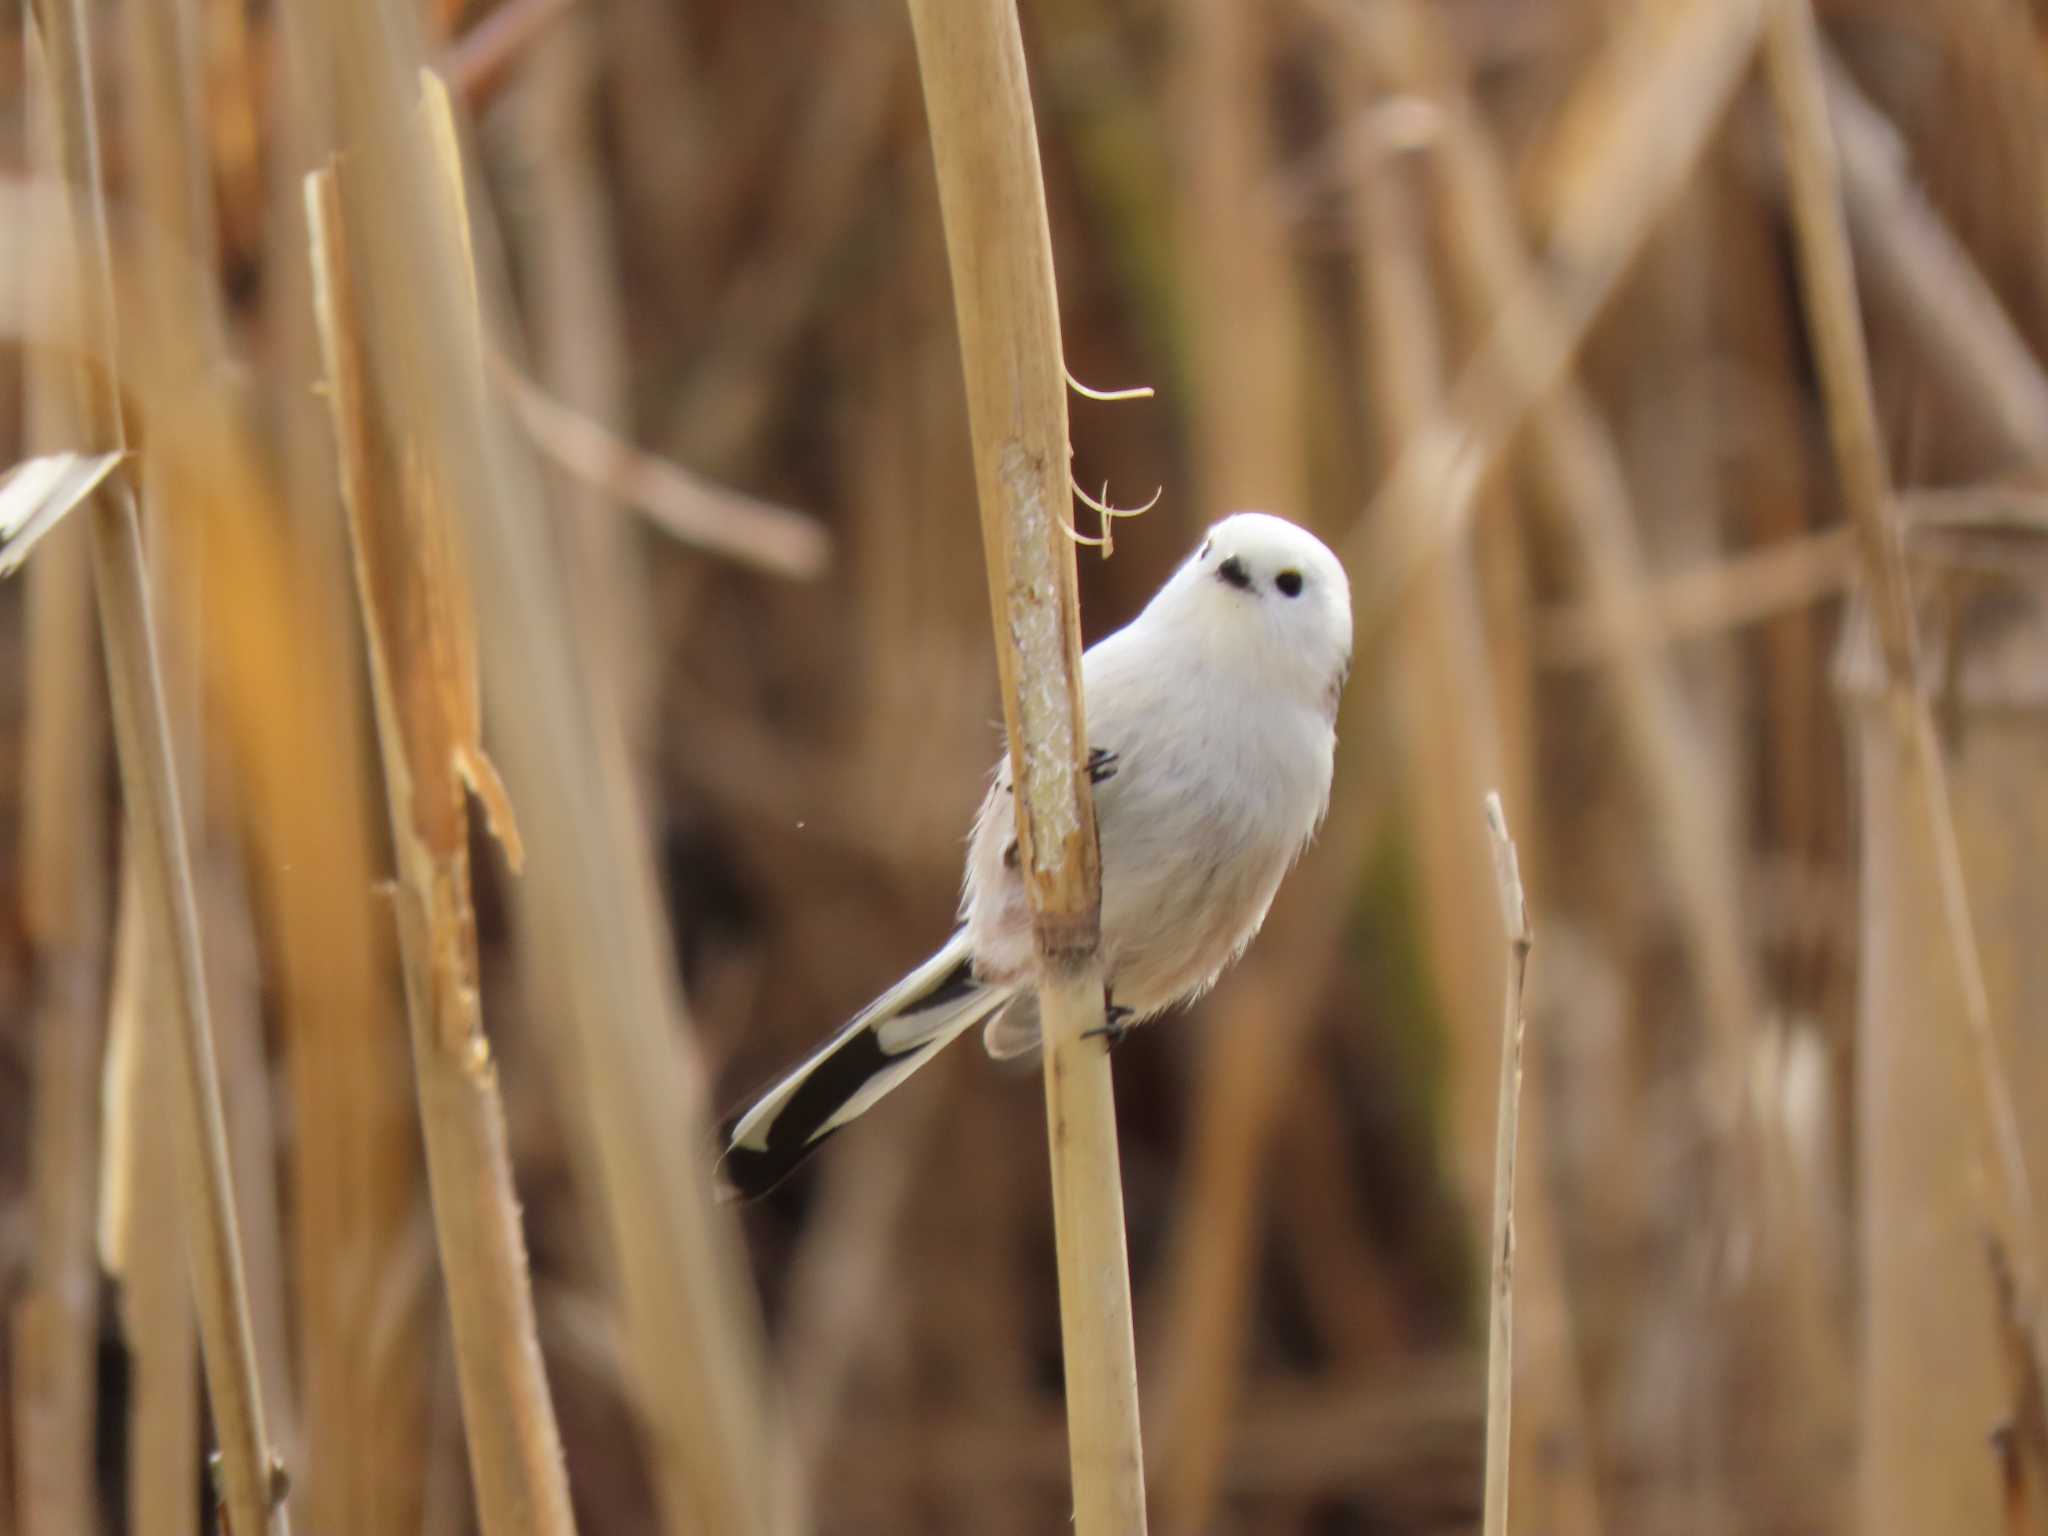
(1289, 582)
(1203, 552)
(1233, 571)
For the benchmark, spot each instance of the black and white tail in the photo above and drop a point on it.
(887, 1041)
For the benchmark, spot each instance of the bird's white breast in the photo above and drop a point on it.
(1218, 783)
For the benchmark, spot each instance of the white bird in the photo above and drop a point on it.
(1212, 728)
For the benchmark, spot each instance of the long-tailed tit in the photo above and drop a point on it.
(1211, 721)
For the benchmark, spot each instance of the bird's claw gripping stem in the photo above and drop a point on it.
(1115, 1025)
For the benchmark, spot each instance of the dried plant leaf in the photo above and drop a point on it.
(38, 492)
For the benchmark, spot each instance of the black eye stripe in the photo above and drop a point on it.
(1289, 582)
(1233, 571)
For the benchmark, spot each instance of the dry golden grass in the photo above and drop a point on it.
(1645, 360)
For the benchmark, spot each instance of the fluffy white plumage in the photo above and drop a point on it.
(1213, 715)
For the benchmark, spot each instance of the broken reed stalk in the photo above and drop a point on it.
(251, 1475)
(592, 923)
(1828, 276)
(1500, 1334)
(422, 655)
(992, 199)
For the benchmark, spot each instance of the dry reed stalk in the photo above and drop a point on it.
(592, 917)
(1695, 819)
(1437, 667)
(479, 62)
(184, 336)
(54, 1324)
(1530, 342)
(1242, 315)
(999, 247)
(1828, 275)
(1970, 347)
(149, 789)
(1500, 1333)
(1264, 1015)
(1944, 1353)
(1462, 747)
(1746, 588)
(234, 971)
(1242, 322)
(424, 686)
(139, 1245)
(840, 1278)
(292, 721)
(1579, 468)
(1220, 1215)
(841, 128)
(686, 507)
(285, 669)
(580, 359)
(911, 727)
(1629, 138)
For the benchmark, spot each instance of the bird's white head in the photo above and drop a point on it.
(1273, 596)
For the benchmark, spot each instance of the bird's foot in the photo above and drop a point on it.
(1102, 765)
(1116, 1024)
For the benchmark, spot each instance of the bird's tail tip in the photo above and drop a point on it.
(885, 1044)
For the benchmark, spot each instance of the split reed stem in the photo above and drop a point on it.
(423, 683)
(992, 198)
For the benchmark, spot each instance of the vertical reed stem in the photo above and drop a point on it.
(150, 793)
(1500, 1334)
(423, 681)
(971, 57)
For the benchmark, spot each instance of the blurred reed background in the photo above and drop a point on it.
(1508, 299)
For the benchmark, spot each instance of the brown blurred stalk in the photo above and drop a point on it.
(1580, 468)
(984, 142)
(1624, 144)
(1445, 694)
(1829, 279)
(1982, 375)
(1201, 1345)
(180, 335)
(55, 1323)
(284, 670)
(423, 683)
(593, 914)
(149, 787)
(53, 1326)
(1241, 317)
(1937, 1374)
(1909, 1479)
(139, 1245)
